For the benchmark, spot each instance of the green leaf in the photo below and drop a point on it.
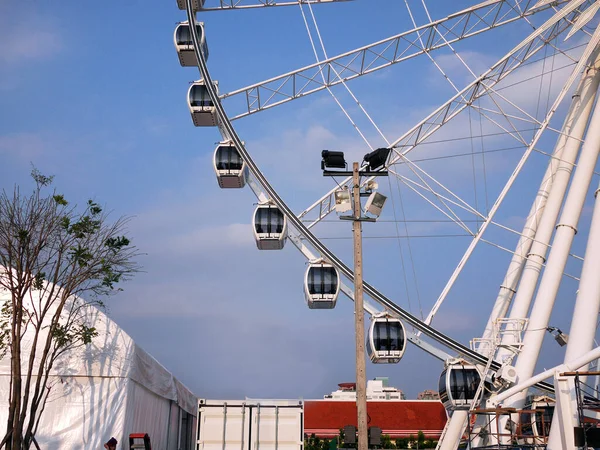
(65, 222)
(40, 179)
(95, 208)
(117, 243)
(84, 227)
(38, 282)
(60, 200)
(80, 255)
(23, 236)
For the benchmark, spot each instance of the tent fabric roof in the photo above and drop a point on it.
(112, 353)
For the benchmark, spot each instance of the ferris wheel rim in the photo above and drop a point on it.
(229, 132)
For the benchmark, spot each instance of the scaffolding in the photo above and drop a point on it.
(526, 429)
(587, 433)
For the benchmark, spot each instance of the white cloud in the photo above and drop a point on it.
(222, 237)
(26, 38)
(456, 71)
(17, 46)
(26, 147)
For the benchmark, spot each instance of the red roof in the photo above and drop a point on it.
(395, 418)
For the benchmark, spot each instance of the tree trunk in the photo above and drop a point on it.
(14, 422)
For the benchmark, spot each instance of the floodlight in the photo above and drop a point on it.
(559, 336)
(377, 158)
(375, 203)
(332, 160)
(342, 200)
(371, 186)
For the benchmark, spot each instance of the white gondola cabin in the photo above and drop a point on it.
(184, 44)
(321, 286)
(386, 341)
(229, 166)
(270, 227)
(458, 385)
(196, 4)
(204, 113)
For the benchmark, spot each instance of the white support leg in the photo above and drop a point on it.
(587, 307)
(562, 436)
(454, 430)
(566, 229)
(566, 150)
(568, 145)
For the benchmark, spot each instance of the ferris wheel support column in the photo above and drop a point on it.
(565, 232)
(454, 430)
(587, 91)
(561, 162)
(567, 149)
(587, 307)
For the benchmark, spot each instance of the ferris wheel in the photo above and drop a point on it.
(527, 111)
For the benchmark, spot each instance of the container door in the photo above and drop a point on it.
(276, 428)
(223, 427)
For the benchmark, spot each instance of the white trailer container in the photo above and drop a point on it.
(250, 425)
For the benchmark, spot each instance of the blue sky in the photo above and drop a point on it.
(94, 94)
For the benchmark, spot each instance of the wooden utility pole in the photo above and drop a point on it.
(359, 316)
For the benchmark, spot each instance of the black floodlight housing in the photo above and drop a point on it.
(332, 160)
(377, 158)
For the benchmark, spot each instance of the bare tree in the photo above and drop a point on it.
(54, 262)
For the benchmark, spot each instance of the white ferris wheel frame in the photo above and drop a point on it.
(263, 190)
(301, 234)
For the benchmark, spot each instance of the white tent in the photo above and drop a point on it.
(108, 388)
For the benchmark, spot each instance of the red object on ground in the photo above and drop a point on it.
(324, 418)
(146, 444)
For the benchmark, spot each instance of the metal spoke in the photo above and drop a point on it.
(401, 47)
(307, 235)
(247, 4)
(453, 107)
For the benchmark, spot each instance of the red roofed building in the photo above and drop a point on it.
(402, 418)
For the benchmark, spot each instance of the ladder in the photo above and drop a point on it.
(144, 445)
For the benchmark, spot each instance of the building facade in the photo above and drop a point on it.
(387, 408)
(377, 389)
(396, 418)
(428, 394)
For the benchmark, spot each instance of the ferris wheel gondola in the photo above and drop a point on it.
(202, 108)
(270, 227)
(458, 385)
(259, 98)
(321, 286)
(386, 341)
(536, 419)
(229, 166)
(184, 44)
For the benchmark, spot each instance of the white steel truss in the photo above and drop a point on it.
(296, 223)
(370, 58)
(576, 72)
(462, 100)
(246, 4)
